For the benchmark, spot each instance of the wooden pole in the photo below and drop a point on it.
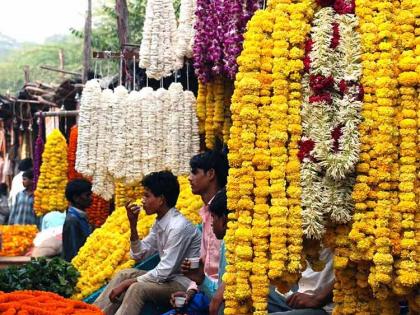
(59, 70)
(87, 42)
(26, 73)
(122, 21)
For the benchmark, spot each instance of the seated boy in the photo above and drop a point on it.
(76, 228)
(214, 291)
(172, 236)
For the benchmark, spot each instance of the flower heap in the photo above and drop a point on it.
(185, 32)
(330, 115)
(188, 203)
(16, 239)
(219, 27)
(86, 149)
(49, 194)
(43, 303)
(157, 49)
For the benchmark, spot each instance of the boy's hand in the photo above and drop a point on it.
(302, 300)
(196, 275)
(117, 291)
(133, 211)
(176, 294)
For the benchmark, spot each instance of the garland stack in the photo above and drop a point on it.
(49, 194)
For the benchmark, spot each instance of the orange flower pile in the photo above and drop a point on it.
(17, 239)
(71, 155)
(99, 210)
(43, 303)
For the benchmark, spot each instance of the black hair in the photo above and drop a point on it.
(163, 183)
(3, 189)
(25, 164)
(218, 206)
(76, 187)
(212, 160)
(28, 174)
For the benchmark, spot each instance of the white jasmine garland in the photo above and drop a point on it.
(102, 183)
(133, 143)
(118, 136)
(184, 32)
(192, 138)
(148, 130)
(165, 98)
(90, 98)
(176, 94)
(157, 53)
(162, 99)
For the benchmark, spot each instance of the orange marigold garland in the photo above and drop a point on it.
(99, 210)
(16, 239)
(43, 303)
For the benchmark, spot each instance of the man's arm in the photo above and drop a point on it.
(302, 300)
(179, 242)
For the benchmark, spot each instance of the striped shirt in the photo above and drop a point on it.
(22, 211)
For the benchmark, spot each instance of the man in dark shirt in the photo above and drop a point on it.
(76, 228)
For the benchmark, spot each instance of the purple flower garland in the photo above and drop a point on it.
(219, 26)
(39, 149)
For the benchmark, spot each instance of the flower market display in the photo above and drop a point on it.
(49, 194)
(43, 303)
(128, 142)
(17, 239)
(58, 276)
(99, 209)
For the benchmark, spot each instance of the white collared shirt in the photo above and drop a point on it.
(174, 238)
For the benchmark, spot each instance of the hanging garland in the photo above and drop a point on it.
(157, 49)
(71, 156)
(49, 194)
(185, 32)
(330, 116)
(38, 150)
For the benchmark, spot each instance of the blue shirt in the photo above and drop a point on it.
(209, 287)
(23, 210)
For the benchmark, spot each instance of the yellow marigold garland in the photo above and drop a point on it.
(125, 192)
(188, 203)
(201, 106)
(49, 194)
(16, 239)
(407, 277)
(209, 123)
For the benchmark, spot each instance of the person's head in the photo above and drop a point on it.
(79, 193)
(28, 179)
(25, 164)
(219, 213)
(161, 191)
(3, 189)
(208, 170)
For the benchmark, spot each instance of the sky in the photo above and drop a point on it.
(36, 20)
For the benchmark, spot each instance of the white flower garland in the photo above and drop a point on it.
(176, 94)
(157, 54)
(148, 130)
(102, 182)
(90, 98)
(327, 177)
(118, 123)
(190, 133)
(184, 32)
